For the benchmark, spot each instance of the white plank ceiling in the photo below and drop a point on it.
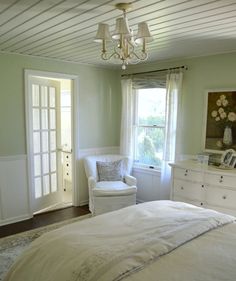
(65, 29)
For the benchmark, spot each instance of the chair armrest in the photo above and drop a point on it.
(132, 181)
(92, 182)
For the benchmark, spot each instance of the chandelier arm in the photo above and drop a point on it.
(139, 57)
(143, 56)
(132, 52)
(105, 57)
(132, 47)
(116, 51)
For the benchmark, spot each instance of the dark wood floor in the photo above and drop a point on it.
(43, 219)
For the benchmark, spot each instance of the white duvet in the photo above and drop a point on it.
(134, 243)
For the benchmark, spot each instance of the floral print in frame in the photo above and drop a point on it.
(220, 132)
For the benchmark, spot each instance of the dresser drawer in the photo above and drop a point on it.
(191, 190)
(196, 203)
(231, 212)
(207, 187)
(220, 180)
(187, 174)
(221, 197)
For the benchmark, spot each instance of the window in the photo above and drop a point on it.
(149, 116)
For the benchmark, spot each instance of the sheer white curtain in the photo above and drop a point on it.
(126, 132)
(172, 139)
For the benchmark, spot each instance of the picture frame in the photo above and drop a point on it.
(226, 158)
(219, 124)
(232, 161)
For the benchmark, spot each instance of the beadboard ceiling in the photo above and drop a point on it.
(64, 29)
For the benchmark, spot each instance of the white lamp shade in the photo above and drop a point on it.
(143, 33)
(103, 33)
(122, 28)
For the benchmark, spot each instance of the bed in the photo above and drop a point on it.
(159, 240)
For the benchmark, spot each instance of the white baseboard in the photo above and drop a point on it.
(83, 203)
(15, 219)
(139, 201)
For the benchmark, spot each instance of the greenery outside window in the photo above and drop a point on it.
(149, 127)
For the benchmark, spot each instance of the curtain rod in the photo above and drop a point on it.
(159, 70)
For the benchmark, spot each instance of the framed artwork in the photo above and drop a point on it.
(220, 121)
(232, 161)
(227, 158)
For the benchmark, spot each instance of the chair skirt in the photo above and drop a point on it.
(111, 203)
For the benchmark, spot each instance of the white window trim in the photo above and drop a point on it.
(136, 165)
(146, 170)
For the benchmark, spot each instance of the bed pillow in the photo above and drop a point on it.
(110, 171)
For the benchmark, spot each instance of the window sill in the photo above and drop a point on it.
(146, 170)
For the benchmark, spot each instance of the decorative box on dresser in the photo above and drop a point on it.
(204, 186)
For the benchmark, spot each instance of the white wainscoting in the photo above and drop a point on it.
(14, 193)
(148, 184)
(81, 177)
(14, 196)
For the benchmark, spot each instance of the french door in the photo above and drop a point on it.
(44, 103)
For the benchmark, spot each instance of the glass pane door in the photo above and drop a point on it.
(45, 143)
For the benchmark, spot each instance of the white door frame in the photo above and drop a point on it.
(75, 129)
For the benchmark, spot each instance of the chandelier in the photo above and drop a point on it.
(126, 44)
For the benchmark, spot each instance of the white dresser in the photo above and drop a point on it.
(204, 186)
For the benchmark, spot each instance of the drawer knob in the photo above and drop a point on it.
(182, 187)
(67, 174)
(221, 177)
(202, 185)
(220, 180)
(67, 165)
(224, 197)
(67, 156)
(201, 204)
(185, 174)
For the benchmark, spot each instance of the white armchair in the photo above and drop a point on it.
(109, 195)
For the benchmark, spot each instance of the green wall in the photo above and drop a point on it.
(210, 72)
(100, 99)
(99, 102)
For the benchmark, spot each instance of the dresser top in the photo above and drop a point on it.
(195, 165)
